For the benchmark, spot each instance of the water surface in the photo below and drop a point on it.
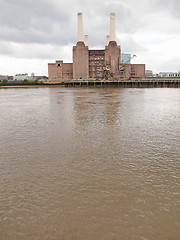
(89, 163)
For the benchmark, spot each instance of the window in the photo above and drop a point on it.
(59, 65)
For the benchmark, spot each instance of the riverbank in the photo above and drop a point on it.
(132, 83)
(27, 84)
(31, 86)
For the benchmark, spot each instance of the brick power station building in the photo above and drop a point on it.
(95, 64)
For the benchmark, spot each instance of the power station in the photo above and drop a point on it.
(95, 64)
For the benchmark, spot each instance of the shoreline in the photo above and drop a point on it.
(143, 83)
(86, 86)
(30, 86)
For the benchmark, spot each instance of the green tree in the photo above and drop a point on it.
(25, 81)
(5, 81)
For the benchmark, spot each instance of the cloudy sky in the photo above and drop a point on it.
(35, 32)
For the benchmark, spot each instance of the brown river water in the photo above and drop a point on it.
(89, 164)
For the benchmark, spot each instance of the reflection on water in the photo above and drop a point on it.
(89, 163)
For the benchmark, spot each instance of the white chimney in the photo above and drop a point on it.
(80, 27)
(112, 27)
(86, 40)
(107, 39)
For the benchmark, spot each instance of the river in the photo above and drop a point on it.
(89, 163)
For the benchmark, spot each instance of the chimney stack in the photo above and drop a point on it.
(86, 40)
(80, 27)
(107, 39)
(112, 27)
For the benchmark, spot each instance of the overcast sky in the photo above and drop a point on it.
(35, 32)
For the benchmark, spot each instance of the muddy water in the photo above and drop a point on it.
(89, 163)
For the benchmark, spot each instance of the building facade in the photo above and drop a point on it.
(5, 77)
(169, 74)
(148, 73)
(95, 64)
(21, 77)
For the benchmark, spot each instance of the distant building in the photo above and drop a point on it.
(126, 58)
(169, 74)
(6, 77)
(41, 78)
(21, 77)
(95, 64)
(148, 73)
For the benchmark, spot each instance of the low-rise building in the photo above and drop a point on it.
(21, 77)
(169, 74)
(149, 73)
(3, 77)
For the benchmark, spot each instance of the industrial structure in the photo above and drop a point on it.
(95, 64)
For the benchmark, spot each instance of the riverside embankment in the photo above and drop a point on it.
(137, 83)
(132, 83)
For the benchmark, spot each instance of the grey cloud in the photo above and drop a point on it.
(32, 21)
(171, 7)
(55, 22)
(34, 51)
(24, 14)
(6, 48)
(46, 21)
(130, 45)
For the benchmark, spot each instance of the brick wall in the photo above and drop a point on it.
(113, 57)
(80, 61)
